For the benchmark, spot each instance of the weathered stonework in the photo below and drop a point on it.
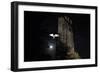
(66, 36)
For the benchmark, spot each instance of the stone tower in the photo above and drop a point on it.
(66, 36)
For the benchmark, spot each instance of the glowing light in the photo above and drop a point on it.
(54, 35)
(51, 35)
(51, 46)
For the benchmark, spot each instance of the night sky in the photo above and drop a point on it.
(38, 25)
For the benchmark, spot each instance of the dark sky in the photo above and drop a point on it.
(37, 26)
